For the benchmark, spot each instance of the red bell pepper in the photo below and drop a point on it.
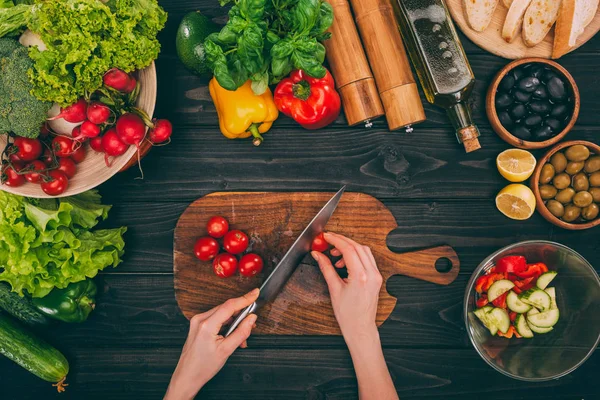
(501, 301)
(533, 270)
(312, 102)
(509, 333)
(512, 315)
(511, 264)
(482, 301)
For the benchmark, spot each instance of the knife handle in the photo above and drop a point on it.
(245, 312)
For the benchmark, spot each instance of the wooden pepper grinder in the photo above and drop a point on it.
(350, 68)
(389, 61)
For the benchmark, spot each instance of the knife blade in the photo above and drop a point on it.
(286, 267)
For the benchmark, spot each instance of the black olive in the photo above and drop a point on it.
(507, 83)
(503, 100)
(543, 133)
(559, 111)
(522, 133)
(529, 84)
(533, 120)
(549, 74)
(554, 124)
(518, 73)
(540, 92)
(556, 88)
(522, 96)
(536, 71)
(505, 119)
(518, 111)
(540, 107)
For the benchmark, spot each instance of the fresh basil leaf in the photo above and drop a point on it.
(324, 20)
(280, 67)
(308, 63)
(321, 37)
(282, 49)
(272, 37)
(260, 81)
(226, 36)
(319, 53)
(237, 70)
(304, 15)
(250, 48)
(216, 60)
(252, 10)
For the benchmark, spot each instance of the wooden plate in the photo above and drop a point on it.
(93, 171)
(491, 39)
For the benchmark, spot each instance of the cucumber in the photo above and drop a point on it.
(546, 319)
(32, 353)
(545, 279)
(534, 328)
(483, 315)
(522, 326)
(498, 288)
(552, 293)
(500, 319)
(537, 298)
(516, 305)
(21, 307)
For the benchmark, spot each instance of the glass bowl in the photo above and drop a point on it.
(575, 336)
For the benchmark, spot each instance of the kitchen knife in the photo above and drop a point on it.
(286, 267)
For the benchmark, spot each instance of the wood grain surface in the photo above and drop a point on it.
(273, 221)
(491, 39)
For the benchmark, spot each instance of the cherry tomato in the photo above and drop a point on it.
(10, 176)
(56, 184)
(62, 146)
(79, 153)
(319, 243)
(251, 264)
(217, 226)
(48, 158)
(225, 265)
(68, 166)
(28, 149)
(235, 242)
(36, 167)
(206, 248)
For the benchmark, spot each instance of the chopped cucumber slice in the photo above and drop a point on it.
(552, 293)
(483, 315)
(546, 319)
(522, 326)
(498, 288)
(545, 279)
(534, 328)
(537, 298)
(500, 319)
(516, 305)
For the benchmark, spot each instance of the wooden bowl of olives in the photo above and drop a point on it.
(532, 103)
(566, 184)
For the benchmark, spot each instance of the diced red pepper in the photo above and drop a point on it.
(501, 301)
(517, 290)
(533, 270)
(523, 282)
(491, 279)
(512, 315)
(482, 301)
(509, 333)
(511, 264)
(480, 283)
(517, 333)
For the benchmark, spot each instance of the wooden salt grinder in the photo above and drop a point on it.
(350, 68)
(389, 61)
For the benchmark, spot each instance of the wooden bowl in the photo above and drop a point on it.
(492, 114)
(93, 170)
(535, 186)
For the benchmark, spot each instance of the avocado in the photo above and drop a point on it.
(192, 31)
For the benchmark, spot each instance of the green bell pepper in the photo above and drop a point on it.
(71, 304)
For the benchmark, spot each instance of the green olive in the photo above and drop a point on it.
(565, 196)
(577, 152)
(592, 164)
(574, 167)
(590, 212)
(571, 213)
(557, 209)
(559, 162)
(582, 199)
(547, 174)
(580, 182)
(595, 179)
(562, 181)
(595, 192)
(548, 192)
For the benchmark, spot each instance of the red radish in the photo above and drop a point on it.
(131, 86)
(85, 131)
(96, 144)
(79, 152)
(98, 113)
(112, 145)
(161, 132)
(117, 79)
(131, 129)
(75, 113)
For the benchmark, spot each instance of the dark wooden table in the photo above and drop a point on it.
(130, 345)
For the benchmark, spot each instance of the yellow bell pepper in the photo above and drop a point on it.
(243, 113)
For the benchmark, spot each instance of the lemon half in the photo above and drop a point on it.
(515, 165)
(516, 201)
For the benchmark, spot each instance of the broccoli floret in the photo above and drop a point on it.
(20, 111)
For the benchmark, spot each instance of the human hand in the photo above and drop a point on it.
(205, 350)
(354, 299)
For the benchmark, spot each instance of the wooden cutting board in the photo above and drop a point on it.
(491, 39)
(273, 221)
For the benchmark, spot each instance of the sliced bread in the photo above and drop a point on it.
(539, 18)
(514, 19)
(479, 13)
(573, 17)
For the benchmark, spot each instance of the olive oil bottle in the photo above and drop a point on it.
(440, 62)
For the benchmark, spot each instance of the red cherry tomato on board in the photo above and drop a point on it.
(35, 167)
(217, 226)
(10, 176)
(206, 248)
(28, 149)
(56, 184)
(235, 242)
(62, 146)
(319, 243)
(225, 265)
(251, 264)
(68, 166)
